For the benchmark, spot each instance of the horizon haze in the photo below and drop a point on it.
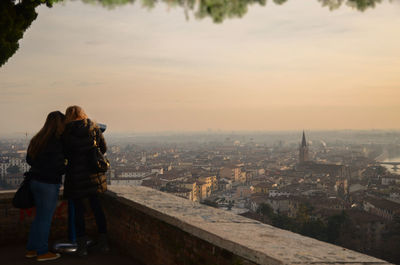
(141, 70)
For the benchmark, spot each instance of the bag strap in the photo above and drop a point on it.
(95, 140)
(94, 134)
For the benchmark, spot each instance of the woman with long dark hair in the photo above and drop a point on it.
(81, 181)
(46, 158)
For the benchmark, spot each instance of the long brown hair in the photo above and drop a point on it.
(53, 127)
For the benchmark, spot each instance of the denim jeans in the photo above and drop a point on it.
(46, 197)
(97, 211)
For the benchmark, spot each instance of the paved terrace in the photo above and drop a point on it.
(159, 228)
(14, 255)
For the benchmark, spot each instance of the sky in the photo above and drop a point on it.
(290, 67)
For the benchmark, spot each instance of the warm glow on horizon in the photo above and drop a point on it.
(277, 68)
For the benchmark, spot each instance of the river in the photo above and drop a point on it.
(390, 167)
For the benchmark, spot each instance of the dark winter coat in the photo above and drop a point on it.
(80, 179)
(49, 165)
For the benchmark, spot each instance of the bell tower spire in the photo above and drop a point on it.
(303, 150)
(304, 142)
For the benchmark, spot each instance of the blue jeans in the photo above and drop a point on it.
(46, 197)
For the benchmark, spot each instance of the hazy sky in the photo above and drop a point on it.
(290, 67)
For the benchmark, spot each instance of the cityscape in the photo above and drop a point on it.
(238, 132)
(341, 187)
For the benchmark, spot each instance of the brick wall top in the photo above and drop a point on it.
(252, 240)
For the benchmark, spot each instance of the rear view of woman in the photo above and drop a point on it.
(81, 182)
(46, 158)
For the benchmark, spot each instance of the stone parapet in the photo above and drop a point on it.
(160, 228)
(15, 223)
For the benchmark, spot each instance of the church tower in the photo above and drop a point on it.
(303, 150)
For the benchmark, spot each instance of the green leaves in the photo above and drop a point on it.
(219, 10)
(265, 209)
(14, 20)
(360, 5)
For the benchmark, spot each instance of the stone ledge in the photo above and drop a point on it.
(7, 194)
(251, 240)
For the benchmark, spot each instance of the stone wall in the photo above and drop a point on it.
(158, 228)
(161, 229)
(15, 223)
(152, 241)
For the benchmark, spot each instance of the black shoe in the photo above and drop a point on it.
(82, 247)
(103, 243)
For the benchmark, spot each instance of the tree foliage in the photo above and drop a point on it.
(391, 241)
(360, 5)
(315, 229)
(15, 19)
(303, 213)
(304, 223)
(219, 10)
(112, 3)
(265, 209)
(335, 224)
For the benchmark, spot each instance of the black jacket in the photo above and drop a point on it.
(49, 165)
(78, 147)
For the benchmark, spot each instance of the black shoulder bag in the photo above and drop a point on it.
(100, 163)
(23, 198)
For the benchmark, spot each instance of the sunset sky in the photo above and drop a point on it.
(290, 67)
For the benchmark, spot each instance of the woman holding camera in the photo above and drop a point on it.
(81, 182)
(46, 158)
